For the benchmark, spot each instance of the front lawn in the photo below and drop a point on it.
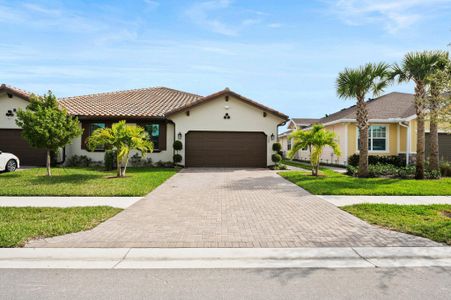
(82, 182)
(429, 221)
(20, 224)
(333, 183)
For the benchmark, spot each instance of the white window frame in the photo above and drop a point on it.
(387, 139)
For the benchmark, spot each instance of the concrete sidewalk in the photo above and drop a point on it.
(221, 258)
(48, 201)
(339, 200)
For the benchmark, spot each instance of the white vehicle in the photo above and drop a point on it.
(8, 162)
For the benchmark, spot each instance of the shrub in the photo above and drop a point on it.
(165, 164)
(279, 167)
(177, 158)
(79, 161)
(136, 160)
(351, 170)
(276, 158)
(177, 145)
(276, 147)
(445, 168)
(394, 160)
(432, 174)
(382, 170)
(109, 160)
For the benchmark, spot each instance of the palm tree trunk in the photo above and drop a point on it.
(419, 106)
(49, 172)
(362, 123)
(434, 153)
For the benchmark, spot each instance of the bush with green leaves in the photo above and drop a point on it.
(395, 160)
(276, 147)
(177, 145)
(276, 158)
(445, 168)
(79, 161)
(177, 158)
(279, 167)
(164, 164)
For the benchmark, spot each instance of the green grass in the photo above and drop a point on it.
(20, 224)
(428, 221)
(82, 182)
(333, 183)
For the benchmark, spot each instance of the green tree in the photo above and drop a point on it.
(122, 138)
(439, 103)
(416, 67)
(315, 140)
(45, 125)
(356, 84)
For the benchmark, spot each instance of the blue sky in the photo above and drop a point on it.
(285, 54)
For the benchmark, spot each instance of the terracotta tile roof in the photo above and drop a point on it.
(15, 91)
(391, 106)
(147, 102)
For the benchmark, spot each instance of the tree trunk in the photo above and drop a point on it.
(362, 123)
(118, 166)
(125, 167)
(49, 172)
(419, 107)
(434, 153)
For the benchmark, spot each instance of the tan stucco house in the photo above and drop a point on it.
(224, 129)
(392, 132)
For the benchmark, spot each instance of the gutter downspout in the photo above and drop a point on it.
(408, 141)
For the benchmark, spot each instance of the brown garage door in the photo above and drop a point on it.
(11, 141)
(225, 149)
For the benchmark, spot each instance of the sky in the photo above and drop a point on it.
(284, 54)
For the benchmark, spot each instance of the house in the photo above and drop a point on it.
(224, 129)
(392, 130)
(293, 124)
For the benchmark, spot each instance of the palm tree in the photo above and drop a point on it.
(315, 140)
(357, 83)
(416, 67)
(122, 138)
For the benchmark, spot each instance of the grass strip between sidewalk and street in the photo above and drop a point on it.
(429, 221)
(333, 183)
(20, 224)
(82, 182)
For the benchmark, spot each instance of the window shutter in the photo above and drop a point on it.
(85, 135)
(162, 139)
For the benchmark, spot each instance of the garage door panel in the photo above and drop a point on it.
(12, 141)
(225, 149)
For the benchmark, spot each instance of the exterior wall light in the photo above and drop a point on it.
(273, 137)
(179, 135)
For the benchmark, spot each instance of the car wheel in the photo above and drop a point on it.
(11, 165)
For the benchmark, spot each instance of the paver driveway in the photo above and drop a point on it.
(232, 208)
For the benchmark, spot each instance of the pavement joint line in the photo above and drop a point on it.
(123, 258)
(364, 258)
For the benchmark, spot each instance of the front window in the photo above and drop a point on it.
(154, 133)
(92, 128)
(377, 138)
(289, 144)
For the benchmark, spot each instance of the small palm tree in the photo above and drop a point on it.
(356, 84)
(315, 140)
(122, 138)
(416, 67)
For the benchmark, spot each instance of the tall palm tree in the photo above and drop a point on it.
(357, 83)
(416, 67)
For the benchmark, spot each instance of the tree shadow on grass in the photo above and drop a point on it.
(65, 178)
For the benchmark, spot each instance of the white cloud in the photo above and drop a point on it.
(40, 9)
(200, 13)
(392, 15)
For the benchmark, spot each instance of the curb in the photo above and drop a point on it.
(205, 258)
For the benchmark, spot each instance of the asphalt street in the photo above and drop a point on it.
(366, 283)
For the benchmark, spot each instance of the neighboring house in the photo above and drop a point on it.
(293, 124)
(223, 129)
(392, 130)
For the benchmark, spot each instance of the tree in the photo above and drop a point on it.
(357, 83)
(416, 67)
(439, 103)
(45, 125)
(315, 140)
(122, 138)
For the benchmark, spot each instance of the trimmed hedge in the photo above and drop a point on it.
(276, 158)
(276, 147)
(394, 160)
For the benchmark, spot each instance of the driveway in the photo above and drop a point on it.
(232, 208)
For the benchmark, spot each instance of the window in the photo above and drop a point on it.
(377, 138)
(289, 144)
(154, 133)
(92, 128)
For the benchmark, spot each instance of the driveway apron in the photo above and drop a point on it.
(232, 208)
